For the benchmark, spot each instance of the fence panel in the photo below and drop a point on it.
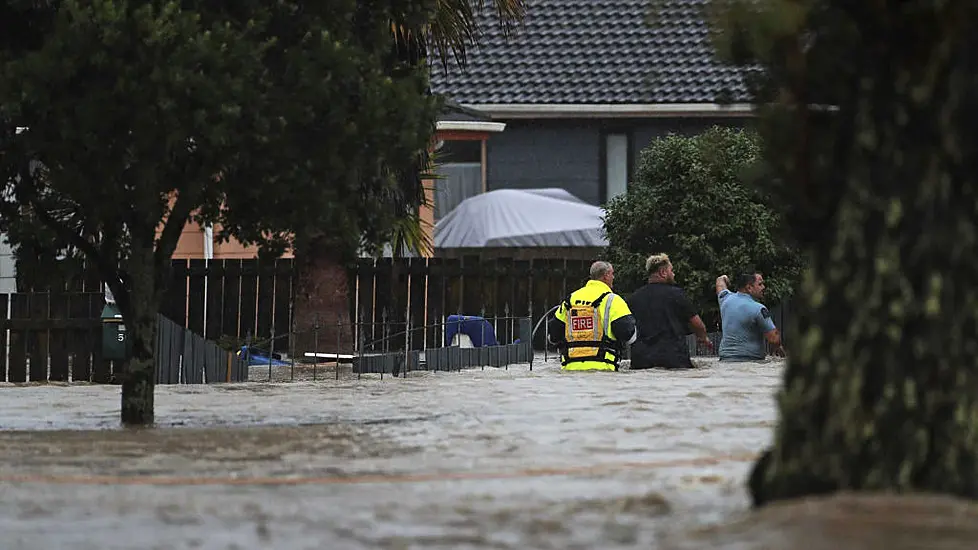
(196, 299)
(213, 300)
(169, 336)
(4, 301)
(19, 311)
(80, 338)
(265, 300)
(56, 335)
(249, 297)
(175, 303)
(284, 293)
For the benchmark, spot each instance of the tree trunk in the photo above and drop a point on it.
(322, 301)
(138, 391)
(881, 389)
(139, 310)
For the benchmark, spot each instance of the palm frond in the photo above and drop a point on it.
(454, 28)
(411, 233)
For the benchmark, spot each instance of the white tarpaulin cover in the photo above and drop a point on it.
(522, 217)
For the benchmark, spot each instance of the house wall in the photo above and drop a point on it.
(190, 246)
(569, 154)
(536, 153)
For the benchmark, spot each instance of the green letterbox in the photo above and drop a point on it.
(115, 339)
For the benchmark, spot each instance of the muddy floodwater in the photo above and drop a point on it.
(494, 458)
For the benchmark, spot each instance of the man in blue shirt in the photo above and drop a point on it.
(747, 325)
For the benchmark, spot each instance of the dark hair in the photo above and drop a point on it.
(744, 278)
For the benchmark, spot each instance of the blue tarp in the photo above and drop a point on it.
(258, 357)
(478, 329)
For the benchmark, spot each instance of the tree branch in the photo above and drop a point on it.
(174, 226)
(109, 272)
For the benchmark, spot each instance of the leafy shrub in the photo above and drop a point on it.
(692, 199)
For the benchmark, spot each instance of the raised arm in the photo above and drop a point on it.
(723, 283)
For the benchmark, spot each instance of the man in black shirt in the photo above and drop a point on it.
(663, 316)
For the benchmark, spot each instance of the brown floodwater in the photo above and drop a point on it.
(494, 458)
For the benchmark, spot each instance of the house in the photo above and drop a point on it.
(585, 86)
(459, 152)
(461, 135)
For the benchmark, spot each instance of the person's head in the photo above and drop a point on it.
(659, 269)
(750, 282)
(602, 271)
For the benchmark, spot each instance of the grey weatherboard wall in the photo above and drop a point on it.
(534, 153)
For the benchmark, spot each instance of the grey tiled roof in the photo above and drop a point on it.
(594, 51)
(452, 110)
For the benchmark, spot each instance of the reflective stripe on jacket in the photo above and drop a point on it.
(611, 307)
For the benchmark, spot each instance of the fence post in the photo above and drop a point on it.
(339, 327)
(526, 336)
(361, 337)
(385, 332)
(292, 340)
(247, 354)
(315, 346)
(271, 351)
(546, 336)
(407, 333)
(482, 331)
(506, 319)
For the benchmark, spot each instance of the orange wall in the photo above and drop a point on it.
(191, 246)
(427, 214)
(191, 242)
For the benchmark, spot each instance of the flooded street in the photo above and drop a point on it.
(479, 459)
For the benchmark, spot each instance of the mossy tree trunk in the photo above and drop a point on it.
(880, 183)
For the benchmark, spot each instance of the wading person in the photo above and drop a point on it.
(746, 323)
(593, 324)
(664, 316)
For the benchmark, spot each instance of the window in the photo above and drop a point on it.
(459, 151)
(616, 165)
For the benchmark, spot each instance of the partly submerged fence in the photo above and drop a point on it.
(57, 337)
(183, 357)
(238, 299)
(461, 342)
(403, 304)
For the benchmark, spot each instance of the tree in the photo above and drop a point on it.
(867, 113)
(690, 199)
(323, 292)
(121, 121)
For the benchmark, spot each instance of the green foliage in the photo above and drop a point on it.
(867, 115)
(454, 28)
(692, 199)
(275, 121)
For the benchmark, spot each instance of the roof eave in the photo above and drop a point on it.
(613, 110)
(470, 126)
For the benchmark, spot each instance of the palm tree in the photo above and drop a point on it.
(447, 33)
(454, 28)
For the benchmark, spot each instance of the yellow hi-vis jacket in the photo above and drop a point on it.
(587, 314)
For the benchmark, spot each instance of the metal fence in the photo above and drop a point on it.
(460, 342)
(57, 337)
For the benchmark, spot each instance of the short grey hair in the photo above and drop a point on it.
(599, 269)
